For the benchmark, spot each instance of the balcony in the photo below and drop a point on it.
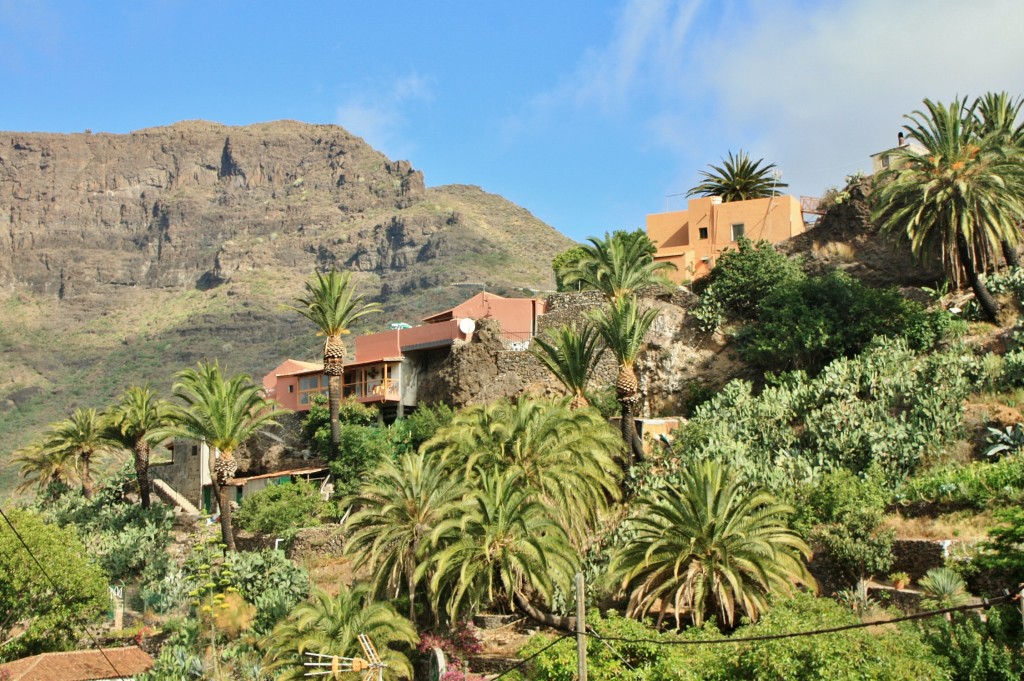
(372, 390)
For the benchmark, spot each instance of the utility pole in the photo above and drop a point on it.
(581, 629)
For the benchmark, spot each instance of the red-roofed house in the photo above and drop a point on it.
(113, 664)
(387, 366)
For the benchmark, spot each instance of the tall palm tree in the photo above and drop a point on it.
(330, 302)
(959, 200)
(566, 456)
(623, 325)
(330, 626)
(504, 547)
(570, 355)
(139, 421)
(739, 179)
(709, 545)
(618, 265)
(999, 114)
(82, 438)
(399, 506)
(42, 467)
(225, 412)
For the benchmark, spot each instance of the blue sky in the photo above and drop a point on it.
(590, 114)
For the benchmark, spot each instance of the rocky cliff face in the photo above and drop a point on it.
(196, 203)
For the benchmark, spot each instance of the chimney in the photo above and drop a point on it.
(902, 142)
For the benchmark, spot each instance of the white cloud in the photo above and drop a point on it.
(378, 117)
(823, 89)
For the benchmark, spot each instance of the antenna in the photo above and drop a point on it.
(334, 665)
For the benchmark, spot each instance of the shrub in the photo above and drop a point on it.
(976, 649)
(890, 654)
(51, 620)
(807, 323)
(842, 515)
(743, 278)
(978, 485)
(563, 259)
(281, 509)
(124, 538)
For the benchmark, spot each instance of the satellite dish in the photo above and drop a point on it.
(467, 326)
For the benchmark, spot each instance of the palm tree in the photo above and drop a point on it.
(618, 265)
(566, 456)
(623, 326)
(739, 179)
(943, 588)
(331, 304)
(225, 412)
(330, 626)
(998, 115)
(709, 545)
(140, 420)
(571, 355)
(41, 467)
(959, 200)
(505, 546)
(399, 506)
(80, 438)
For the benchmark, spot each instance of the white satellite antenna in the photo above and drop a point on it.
(333, 665)
(467, 326)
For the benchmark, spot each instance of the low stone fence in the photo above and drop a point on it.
(917, 556)
(325, 540)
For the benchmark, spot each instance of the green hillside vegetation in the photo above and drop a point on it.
(758, 542)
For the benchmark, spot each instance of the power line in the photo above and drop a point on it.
(524, 661)
(815, 632)
(56, 590)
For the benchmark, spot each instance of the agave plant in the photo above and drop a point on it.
(1007, 440)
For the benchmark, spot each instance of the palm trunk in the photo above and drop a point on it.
(410, 582)
(334, 402)
(224, 506)
(86, 475)
(981, 294)
(544, 618)
(1010, 254)
(634, 446)
(141, 451)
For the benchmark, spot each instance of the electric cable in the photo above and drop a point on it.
(525, 660)
(56, 590)
(985, 604)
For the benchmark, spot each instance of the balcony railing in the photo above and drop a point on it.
(381, 389)
(517, 341)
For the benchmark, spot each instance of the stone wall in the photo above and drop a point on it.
(917, 556)
(325, 540)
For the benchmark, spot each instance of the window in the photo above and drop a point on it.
(310, 386)
(195, 450)
(702, 232)
(885, 161)
(291, 388)
(737, 231)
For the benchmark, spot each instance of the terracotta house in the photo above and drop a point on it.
(387, 367)
(692, 239)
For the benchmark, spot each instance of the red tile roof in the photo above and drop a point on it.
(80, 665)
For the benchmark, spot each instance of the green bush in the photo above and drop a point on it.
(743, 278)
(52, 620)
(888, 406)
(563, 259)
(281, 509)
(124, 538)
(979, 485)
(976, 649)
(891, 654)
(842, 515)
(807, 323)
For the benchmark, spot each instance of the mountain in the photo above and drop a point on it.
(124, 258)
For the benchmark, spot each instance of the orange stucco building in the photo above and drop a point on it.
(387, 366)
(693, 238)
